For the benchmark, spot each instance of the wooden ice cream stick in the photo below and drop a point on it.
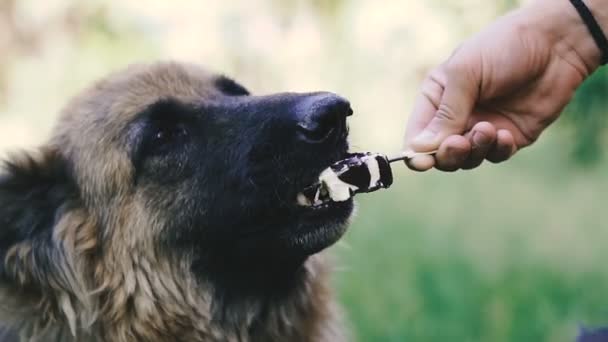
(409, 154)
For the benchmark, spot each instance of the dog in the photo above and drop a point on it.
(163, 208)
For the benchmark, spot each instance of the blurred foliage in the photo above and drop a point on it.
(586, 114)
(22, 35)
(328, 9)
(505, 5)
(510, 253)
(462, 11)
(441, 258)
(327, 12)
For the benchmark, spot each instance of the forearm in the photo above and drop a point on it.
(568, 34)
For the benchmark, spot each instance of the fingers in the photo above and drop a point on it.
(421, 163)
(482, 142)
(425, 107)
(482, 138)
(452, 153)
(468, 152)
(504, 148)
(443, 112)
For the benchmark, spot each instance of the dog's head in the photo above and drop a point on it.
(174, 161)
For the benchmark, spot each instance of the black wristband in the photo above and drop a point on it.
(593, 27)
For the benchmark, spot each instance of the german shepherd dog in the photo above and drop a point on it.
(163, 208)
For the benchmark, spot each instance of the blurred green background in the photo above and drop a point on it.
(515, 252)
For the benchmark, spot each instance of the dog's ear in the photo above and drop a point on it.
(36, 191)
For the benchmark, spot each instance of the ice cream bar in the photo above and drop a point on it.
(359, 173)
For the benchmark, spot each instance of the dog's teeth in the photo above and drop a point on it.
(323, 192)
(318, 199)
(339, 191)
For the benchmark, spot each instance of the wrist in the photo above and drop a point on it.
(568, 34)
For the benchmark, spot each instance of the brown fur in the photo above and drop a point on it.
(111, 284)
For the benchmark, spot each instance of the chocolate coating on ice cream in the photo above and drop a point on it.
(359, 173)
(366, 171)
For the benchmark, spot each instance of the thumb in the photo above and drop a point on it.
(452, 115)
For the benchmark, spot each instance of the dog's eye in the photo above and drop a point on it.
(162, 130)
(168, 135)
(160, 140)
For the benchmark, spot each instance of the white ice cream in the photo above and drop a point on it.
(374, 170)
(339, 191)
(331, 187)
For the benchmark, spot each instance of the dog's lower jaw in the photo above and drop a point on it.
(300, 309)
(172, 305)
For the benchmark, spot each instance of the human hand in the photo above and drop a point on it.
(501, 88)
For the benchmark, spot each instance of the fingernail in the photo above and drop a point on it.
(420, 163)
(426, 137)
(480, 139)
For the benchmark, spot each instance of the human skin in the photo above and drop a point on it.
(502, 87)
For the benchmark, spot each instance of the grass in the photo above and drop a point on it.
(509, 253)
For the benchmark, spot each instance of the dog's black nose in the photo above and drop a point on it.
(323, 117)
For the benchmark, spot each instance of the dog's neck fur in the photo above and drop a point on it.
(174, 306)
(149, 300)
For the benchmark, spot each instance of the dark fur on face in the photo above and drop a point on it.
(164, 209)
